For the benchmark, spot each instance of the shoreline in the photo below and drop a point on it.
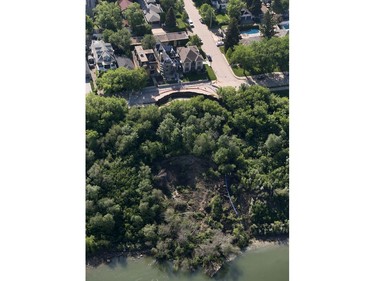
(254, 244)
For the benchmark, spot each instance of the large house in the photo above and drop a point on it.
(145, 58)
(168, 61)
(220, 5)
(175, 39)
(190, 59)
(103, 55)
(152, 13)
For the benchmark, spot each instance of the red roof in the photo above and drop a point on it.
(124, 4)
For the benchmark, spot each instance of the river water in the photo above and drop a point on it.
(270, 263)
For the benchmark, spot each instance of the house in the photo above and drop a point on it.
(103, 54)
(90, 5)
(220, 5)
(123, 61)
(175, 39)
(124, 4)
(152, 13)
(246, 16)
(190, 58)
(168, 60)
(145, 58)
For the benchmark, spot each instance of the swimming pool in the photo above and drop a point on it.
(284, 25)
(251, 31)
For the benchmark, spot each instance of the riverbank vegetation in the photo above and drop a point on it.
(155, 176)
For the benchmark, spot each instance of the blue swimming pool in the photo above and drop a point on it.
(251, 31)
(284, 25)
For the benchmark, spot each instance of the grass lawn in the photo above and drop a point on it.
(222, 19)
(181, 25)
(194, 76)
(239, 71)
(210, 73)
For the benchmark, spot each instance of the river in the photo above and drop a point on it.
(269, 263)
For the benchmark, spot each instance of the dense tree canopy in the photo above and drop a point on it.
(265, 56)
(122, 79)
(170, 18)
(136, 20)
(130, 203)
(108, 15)
(148, 41)
(267, 25)
(207, 13)
(232, 34)
(234, 8)
(120, 40)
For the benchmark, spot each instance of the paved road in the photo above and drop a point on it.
(219, 64)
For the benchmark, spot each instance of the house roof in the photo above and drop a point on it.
(103, 52)
(172, 36)
(154, 8)
(152, 17)
(189, 54)
(124, 62)
(124, 4)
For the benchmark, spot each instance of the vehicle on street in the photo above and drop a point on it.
(219, 43)
(209, 58)
(190, 22)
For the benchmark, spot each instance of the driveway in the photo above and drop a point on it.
(219, 63)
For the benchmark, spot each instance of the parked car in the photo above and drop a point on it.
(220, 43)
(190, 22)
(209, 58)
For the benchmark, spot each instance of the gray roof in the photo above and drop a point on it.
(125, 62)
(154, 8)
(189, 54)
(152, 17)
(102, 51)
(172, 36)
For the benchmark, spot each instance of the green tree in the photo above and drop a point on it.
(122, 79)
(207, 13)
(102, 113)
(234, 8)
(108, 16)
(267, 25)
(89, 25)
(135, 17)
(167, 4)
(256, 7)
(120, 41)
(148, 41)
(232, 34)
(243, 55)
(170, 18)
(277, 6)
(195, 40)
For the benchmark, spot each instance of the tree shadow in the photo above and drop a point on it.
(120, 261)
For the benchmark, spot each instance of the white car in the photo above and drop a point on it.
(190, 22)
(220, 43)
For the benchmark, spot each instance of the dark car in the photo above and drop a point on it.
(209, 58)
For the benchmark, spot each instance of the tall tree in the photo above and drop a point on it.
(148, 41)
(121, 41)
(108, 15)
(170, 18)
(122, 79)
(234, 8)
(232, 35)
(256, 7)
(195, 40)
(277, 6)
(135, 17)
(89, 25)
(207, 13)
(267, 25)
